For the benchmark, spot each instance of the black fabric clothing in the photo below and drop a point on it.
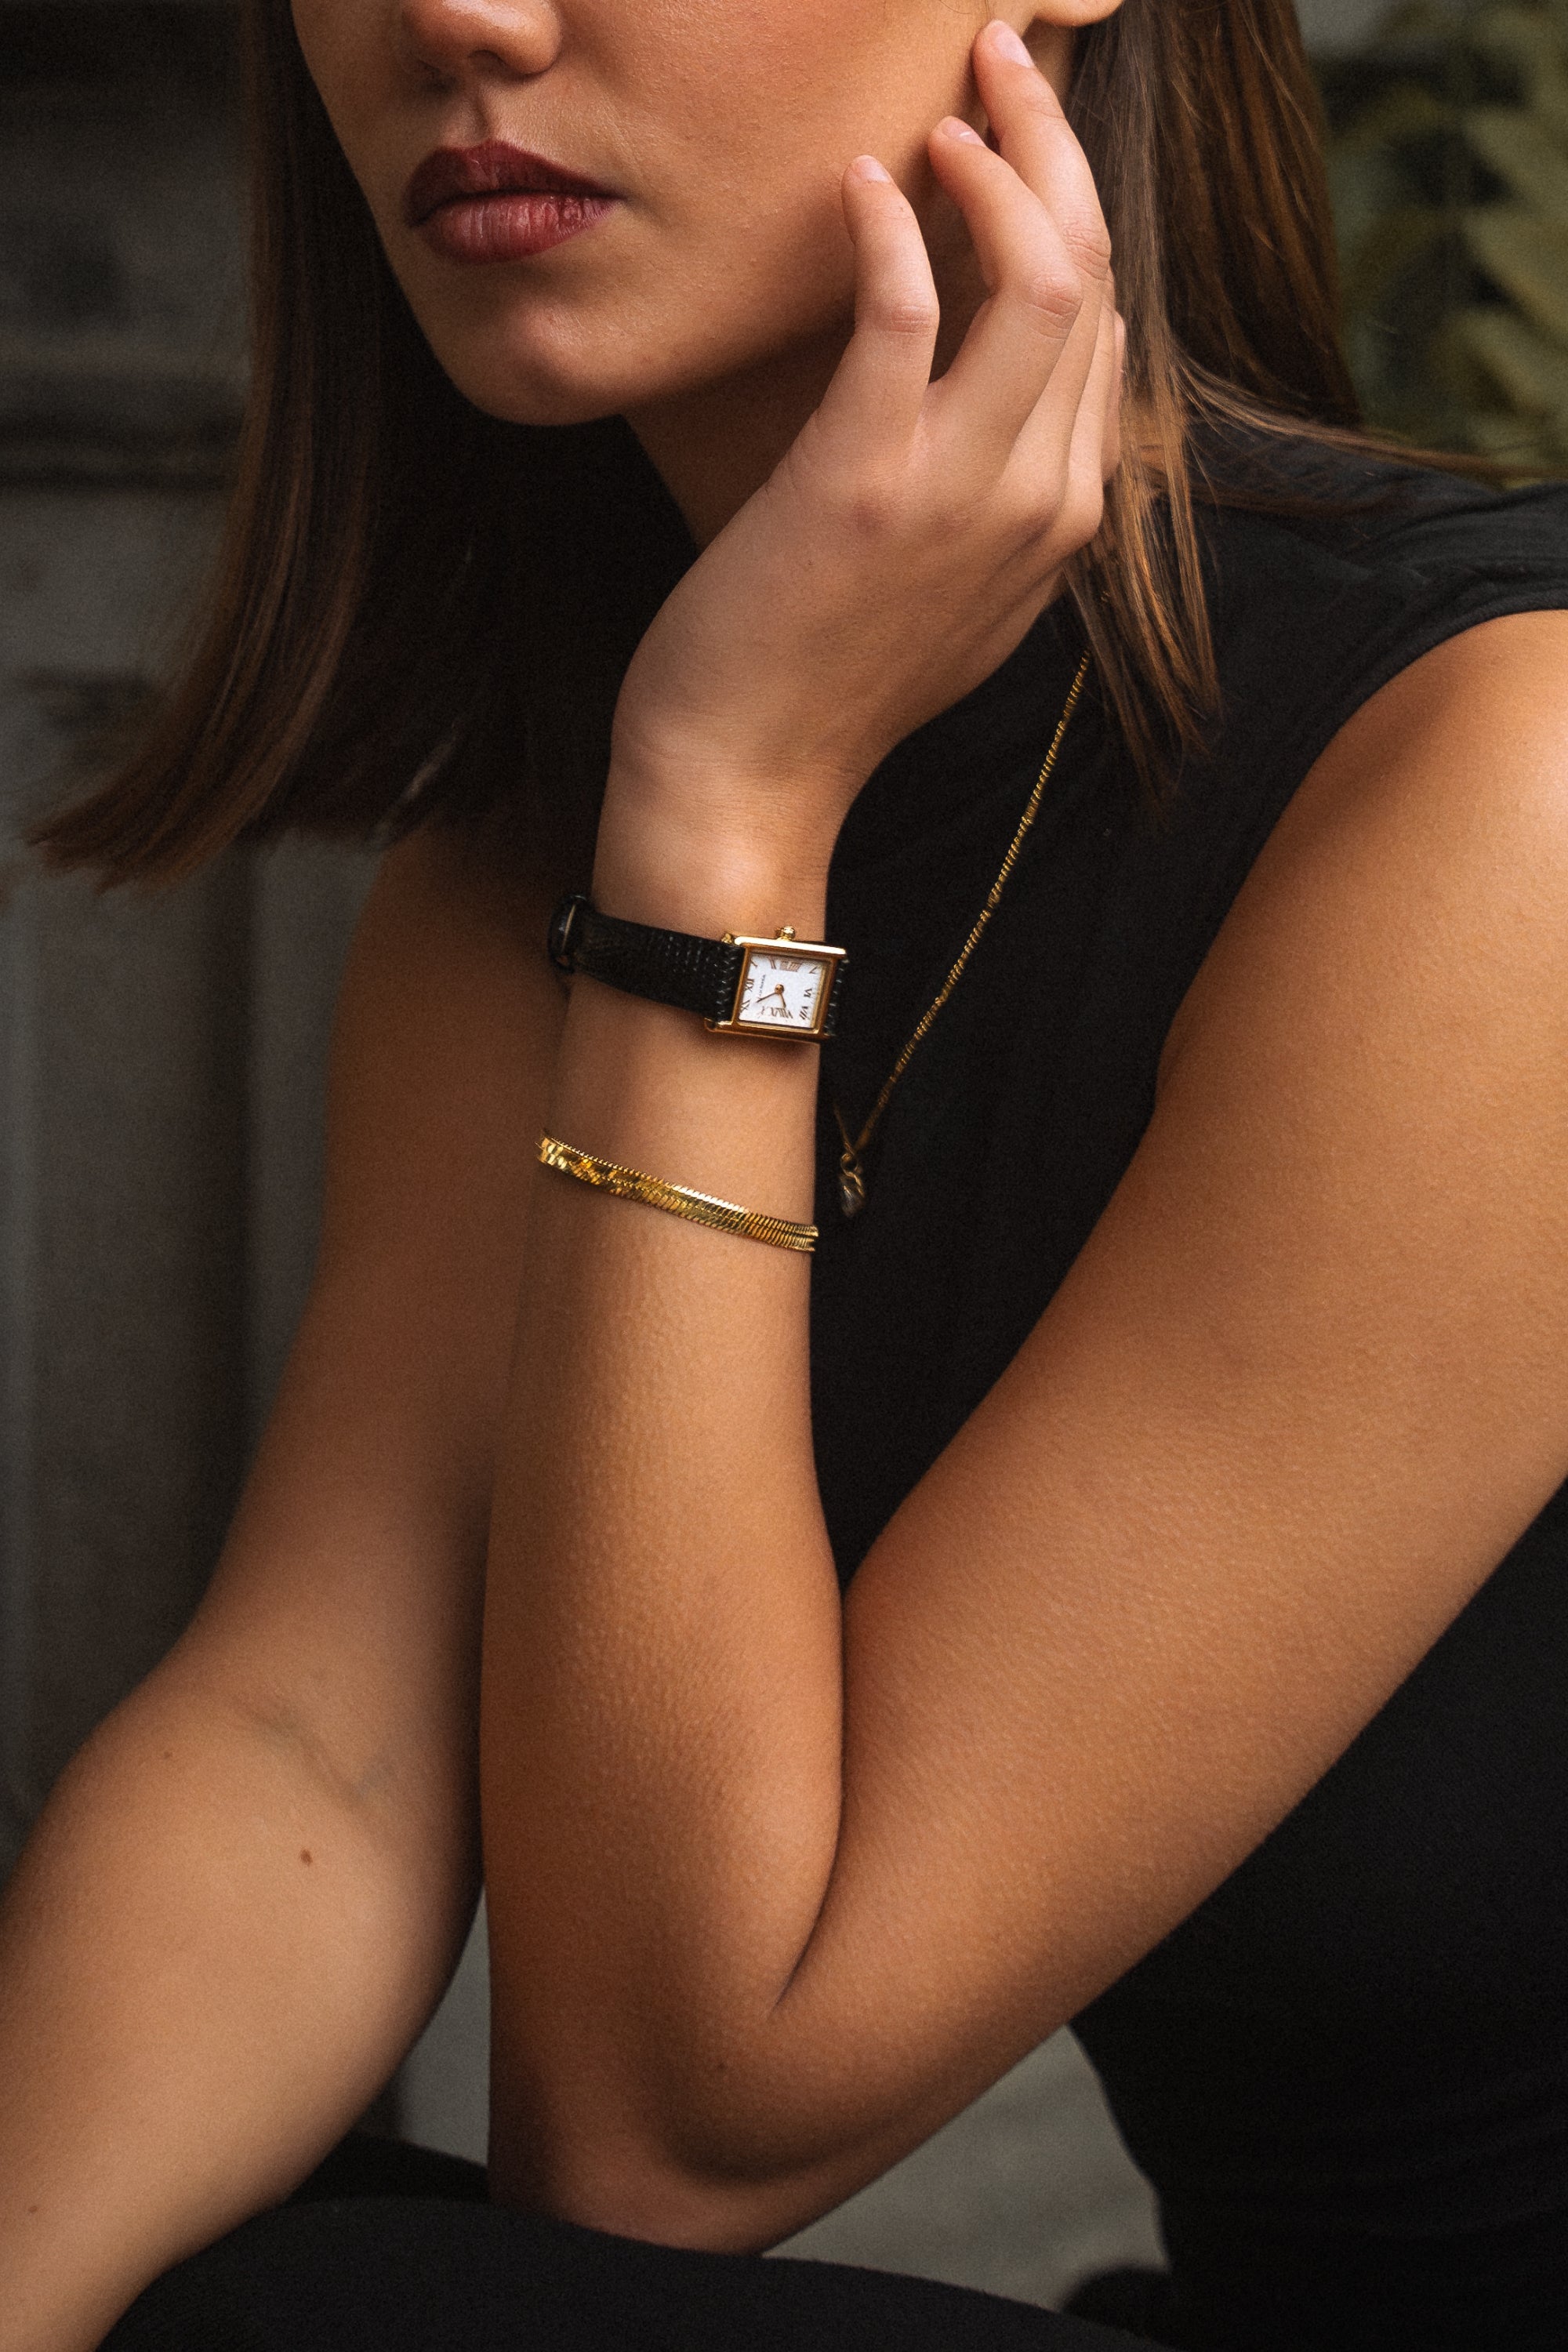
(1347, 2072)
(395, 2250)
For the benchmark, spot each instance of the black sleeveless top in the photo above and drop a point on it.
(1346, 2074)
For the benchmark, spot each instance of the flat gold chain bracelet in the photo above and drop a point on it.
(680, 1199)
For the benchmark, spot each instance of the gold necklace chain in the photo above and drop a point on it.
(852, 1180)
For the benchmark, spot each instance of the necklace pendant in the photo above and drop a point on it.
(851, 1185)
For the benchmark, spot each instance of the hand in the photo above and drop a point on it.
(913, 532)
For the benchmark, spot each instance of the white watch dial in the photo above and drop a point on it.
(781, 991)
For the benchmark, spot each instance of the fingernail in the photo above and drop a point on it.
(865, 167)
(952, 129)
(1009, 43)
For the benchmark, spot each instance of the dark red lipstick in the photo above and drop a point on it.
(498, 202)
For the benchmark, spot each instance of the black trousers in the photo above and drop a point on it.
(392, 2249)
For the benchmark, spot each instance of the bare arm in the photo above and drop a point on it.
(247, 1891)
(778, 1887)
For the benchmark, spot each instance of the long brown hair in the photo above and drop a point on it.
(418, 609)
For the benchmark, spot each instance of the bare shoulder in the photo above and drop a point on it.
(1430, 842)
(1367, 1084)
(1356, 1156)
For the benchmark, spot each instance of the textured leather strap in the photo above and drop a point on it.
(671, 967)
(834, 1000)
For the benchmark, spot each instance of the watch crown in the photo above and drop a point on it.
(787, 932)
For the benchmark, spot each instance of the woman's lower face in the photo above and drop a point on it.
(719, 131)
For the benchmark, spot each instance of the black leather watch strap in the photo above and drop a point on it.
(671, 967)
(676, 967)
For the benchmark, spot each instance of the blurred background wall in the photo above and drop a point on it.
(160, 1060)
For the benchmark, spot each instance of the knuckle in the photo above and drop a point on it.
(911, 314)
(1036, 96)
(1035, 509)
(1081, 512)
(869, 507)
(1055, 295)
(1088, 242)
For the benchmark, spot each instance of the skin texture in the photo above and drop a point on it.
(712, 307)
(775, 1886)
(190, 2014)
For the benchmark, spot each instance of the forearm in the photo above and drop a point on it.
(663, 1684)
(699, 1799)
(209, 1963)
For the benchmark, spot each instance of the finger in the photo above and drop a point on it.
(878, 389)
(1056, 490)
(1060, 438)
(1034, 136)
(1080, 502)
(1041, 321)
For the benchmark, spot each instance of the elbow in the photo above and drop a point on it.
(664, 2204)
(660, 2203)
(694, 2189)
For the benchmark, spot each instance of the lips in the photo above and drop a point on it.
(460, 174)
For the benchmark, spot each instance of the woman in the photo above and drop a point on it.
(1118, 1575)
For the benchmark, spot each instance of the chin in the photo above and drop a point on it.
(530, 370)
(559, 362)
(534, 400)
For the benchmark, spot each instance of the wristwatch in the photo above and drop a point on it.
(781, 987)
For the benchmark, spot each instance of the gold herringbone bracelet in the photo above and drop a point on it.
(700, 1208)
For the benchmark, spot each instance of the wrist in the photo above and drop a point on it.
(724, 864)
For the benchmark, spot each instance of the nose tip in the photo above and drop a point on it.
(487, 38)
